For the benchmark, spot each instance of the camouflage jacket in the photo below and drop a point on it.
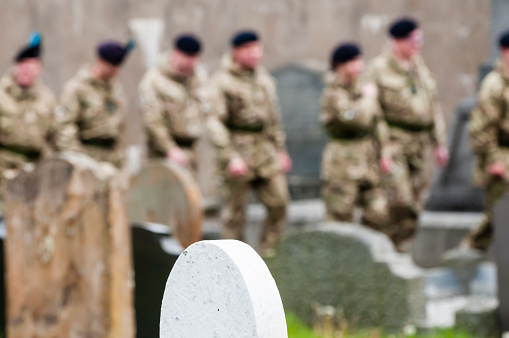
(357, 131)
(172, 107)
(26, 118)
(92, 113)
(245, 119)
(489, 122)
(408, 98)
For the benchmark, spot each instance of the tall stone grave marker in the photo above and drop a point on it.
(68, 252)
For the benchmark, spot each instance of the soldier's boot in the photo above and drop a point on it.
(404, 234)
(272, 230)
(479, 238)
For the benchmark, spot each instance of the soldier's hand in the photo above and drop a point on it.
(286, 162)
(385, 164)
(442, 156)
(178, 155)
(237, 167)
(370, 90)
(497, 169)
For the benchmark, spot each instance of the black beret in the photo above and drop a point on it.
(345, 52)
(244, 37)
(32, 50)
(113, 52)
(188, 44)
(504, 40)
(402, 28)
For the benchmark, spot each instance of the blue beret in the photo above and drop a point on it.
(244, 37)
(114, 52)
(188, 44)
(504, 40)
(345, 52)
(32, 50)
(402, 28)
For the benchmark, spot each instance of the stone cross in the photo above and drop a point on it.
(221, 289)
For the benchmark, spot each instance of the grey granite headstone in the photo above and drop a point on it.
(452, 189)
(501, 238)
(299, 89)
(353, 269)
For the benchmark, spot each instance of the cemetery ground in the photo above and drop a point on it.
(297, 329)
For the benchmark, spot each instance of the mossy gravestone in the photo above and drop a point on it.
(353, 269)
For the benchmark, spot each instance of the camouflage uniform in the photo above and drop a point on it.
(172, 110)
(26, 125)
(358, 136)
(408, 99)
(92, 117)
(245, 123)
(489, 136)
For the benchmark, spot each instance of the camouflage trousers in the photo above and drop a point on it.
(272, 192)
(480, 238)
(404, 187)
(341, 197)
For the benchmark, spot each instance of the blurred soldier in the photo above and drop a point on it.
(27, 109)
(407, 94)
(171, 103)
(246, 130)
(358, 139)
(489, 136)
(92, 107)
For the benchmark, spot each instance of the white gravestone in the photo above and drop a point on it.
(221, 289)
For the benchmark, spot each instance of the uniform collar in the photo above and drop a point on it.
(397, 65)
(237, 70)
(86, 75)
(502, 70)
(18, 92)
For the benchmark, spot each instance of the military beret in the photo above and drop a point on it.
(188, 44)
(402, 28)
(504, 40)
(113, 52)
(345, 52)
(32, 50)
(244, 37)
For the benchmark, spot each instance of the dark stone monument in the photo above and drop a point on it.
(299, 89)
(501, 238)
(452, 188)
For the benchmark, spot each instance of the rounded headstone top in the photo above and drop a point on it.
(221, 289)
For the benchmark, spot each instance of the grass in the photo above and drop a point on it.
(297, 329)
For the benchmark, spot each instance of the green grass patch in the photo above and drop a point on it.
(298, 329)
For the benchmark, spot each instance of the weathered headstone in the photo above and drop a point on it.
(165, 193)
(501, 238)
(221, 289)
(299, 88)
(453, 189)
(69, 269)
(353, 269)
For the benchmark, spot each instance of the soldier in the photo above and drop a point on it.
(245, 128)
(27, 109)
(358, 138)
(489, 136)
(92, 107)
(171, 103)
(407, 94)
